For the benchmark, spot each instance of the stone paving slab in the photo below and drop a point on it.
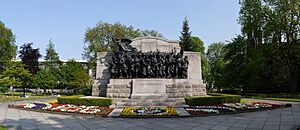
(182, 112)
(115, 112)
(284, 118)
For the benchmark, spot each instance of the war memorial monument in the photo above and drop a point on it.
(148, 71)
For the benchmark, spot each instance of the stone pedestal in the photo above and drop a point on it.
(119, 88)
(102, 74)
(154, 88)
(148, 88)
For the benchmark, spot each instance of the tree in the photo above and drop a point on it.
(235, 57)
(7, 47)
(52, 62)
(99, 39)
(185, 38)
(196, 45)
(44, 79)
(51, 58)
(251, 20)
(215, 55)
(272, 39)
(15, 74)
(75, 76)
(152, 33)
(282, 29)
(30, 57)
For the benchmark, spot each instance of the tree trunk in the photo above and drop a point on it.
(219, 89)
(24, 91)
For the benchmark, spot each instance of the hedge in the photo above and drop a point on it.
(214, 99)
(85, 101)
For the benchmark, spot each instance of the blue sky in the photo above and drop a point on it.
(65, 21)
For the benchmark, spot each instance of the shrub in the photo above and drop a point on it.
(3, 89)
(214, 99)
(85, 101)
(230, 91)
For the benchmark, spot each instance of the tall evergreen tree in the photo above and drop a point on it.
(53, 64)
(30, 57)
(185, 38)
(51, 55)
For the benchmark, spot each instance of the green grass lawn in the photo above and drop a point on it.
(15, 96)
(275, 96)
(4, 98)
(2, 127)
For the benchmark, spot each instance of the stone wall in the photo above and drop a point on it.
(119, 88)
(194, 68)
(175, 88)
(102, 74)
(146, 44)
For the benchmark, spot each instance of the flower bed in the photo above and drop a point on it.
(230, 108)
(94, 110)
(149, 111)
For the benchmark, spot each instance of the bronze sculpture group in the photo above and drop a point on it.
(128, 63)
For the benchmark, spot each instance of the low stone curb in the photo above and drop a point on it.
(117, 111)
(53, 112)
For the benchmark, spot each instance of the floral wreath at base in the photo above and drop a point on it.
(148, 111)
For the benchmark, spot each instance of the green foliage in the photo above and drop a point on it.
(214, 99)
(197, 45)
(7, 47)
(185, 38)
(85, 101)
(266, 57)
(3, 89)
(51, 58)
(52, 63)
(16, 75)
(215, 55)
(152, 33)
(30, 57)
(74, 76)
(99, 38)
(2, 127)
(44, 79)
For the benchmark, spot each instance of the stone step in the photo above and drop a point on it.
(151, 102)
(149, 96)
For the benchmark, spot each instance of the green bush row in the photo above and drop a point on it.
(85, 101)
(213, 99)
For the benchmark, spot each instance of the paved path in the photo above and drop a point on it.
(285, 119)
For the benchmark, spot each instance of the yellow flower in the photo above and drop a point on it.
(52, 101)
